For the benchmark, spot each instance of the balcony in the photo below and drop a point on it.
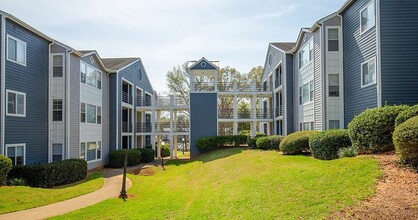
(163, 101)
(225, 113)
(143, 101)
(126, 127)
(278, 82)
(204, 87)
(279, 111)
(259, 113)
(127, 98)
(264, 114)
(181, 127)
(143, 127)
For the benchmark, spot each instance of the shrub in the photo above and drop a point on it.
(5, 166)
(407, 114)
(371, 131)
(325, 144)
(347, 152)
(117, 157)
(16, 182)
(263, 143)
(296, 143)
(147, 155)
(165, 150)
(248, 133)
(405, 138)
(252, 142)
(207, 144)
(231, 140)
(52, 174)
(269, 142)
(275, 141)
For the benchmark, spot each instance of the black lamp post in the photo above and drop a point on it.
(123, 194)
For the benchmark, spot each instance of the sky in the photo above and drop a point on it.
(166, 33)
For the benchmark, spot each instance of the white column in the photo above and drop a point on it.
(254, 111)
(171, 146)
(216, 81)
(235, 108)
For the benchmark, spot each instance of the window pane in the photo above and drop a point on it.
(21, 52)
(91, 114)
(91, 151)
(99, 79)
(82, 151)
(83, 112)
(333, 34)
(57, 66)
(365, 74)
(91, 76)
(334, 88)
(11, 49)
(99, 150)
(99, 115)
(334, 124)
(11, 152)
(368, 19)
(333, 45)
(83, 72)
(20, 104)
(311, 91)
(57, 152)
(305, 94)
(306, 126)
(11, 103)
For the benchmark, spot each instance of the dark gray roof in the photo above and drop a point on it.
(84, 52)
(285, 46)
(115, 64)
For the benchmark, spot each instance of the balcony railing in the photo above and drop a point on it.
(225, 87)
(278, 82)
(126, 127)
(177, 127)
(181, 127)
(143, 101)
(204, 87)
(163, 101)
(126, 97)
(225, 113)
(264, 114)
(143, 127)
(259, 113)
(279, 111)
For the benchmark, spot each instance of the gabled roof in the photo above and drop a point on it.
(116, 64)
(94, 52)
(214, 64)
(284, 46)
(347, 4)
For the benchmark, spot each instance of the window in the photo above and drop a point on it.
(16, 103)
(306, 126)
(311, 91)
(368, 72)
(334, 85)
(269, 60)
(16, 152)
(16, 50)
(57, 65)
(83, 151)
(300, 127)
(57, 110)
(91, 113)
(83, 112)
(333, 44)
(312, 126)
(90, 76)
(140, 75)
(83, 73)
(334, 124)
(368, 18)
(57, 152)
(306, 54)
(99, 115)
(300, 95)
(305, 93)
(91, 151)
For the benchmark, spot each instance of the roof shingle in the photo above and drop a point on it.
(115, 64)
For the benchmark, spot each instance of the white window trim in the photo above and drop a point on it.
(52, 152)
(62, 110)
(17, 145)
(362, 9)
(313, 98)
(86, 147)
(339, 39)
(63, 65)
(7, 48)
(7, 104)
(375, 72)
(313, 58)
(101, 77)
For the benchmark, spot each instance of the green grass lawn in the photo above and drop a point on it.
(181, 155)
(17, 198)
(243, 184)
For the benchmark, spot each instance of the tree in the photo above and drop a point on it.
(255, 74)
(244, 111)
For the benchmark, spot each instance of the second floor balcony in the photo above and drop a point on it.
(279, 111)
(127, 98)
(251, 114)
(163, 101)
(126, 127)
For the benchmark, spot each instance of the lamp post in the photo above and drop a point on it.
(184, 144)
(123, 194)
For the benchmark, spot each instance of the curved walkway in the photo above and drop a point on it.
(110, 189)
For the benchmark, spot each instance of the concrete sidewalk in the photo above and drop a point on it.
(111, 189)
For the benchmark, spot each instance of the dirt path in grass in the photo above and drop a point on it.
(396, 196)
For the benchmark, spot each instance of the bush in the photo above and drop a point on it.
(263, 143)
(252, 142)
(347, 152)
(52, 174)
(5, 166)
(405, 138)
(269, 142)
(248, 133)
(147, 155)
(325, 144)
(231, 140)
(407, 114)
(371, 131)
(296, 143)
(117, 157)
(165, 150)
(275, 141)
(207, 144)
(16, 182)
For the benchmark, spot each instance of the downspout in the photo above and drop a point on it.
(378, 51)
(3, 83)
(341, 44)
(67, 98)
(49, 101)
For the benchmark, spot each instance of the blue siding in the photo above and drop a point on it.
(112, 111)
(208, 66)
(357, 49)
(399, 51)
(276, 57)
(31, 79)
(203, 114)
(288, 95)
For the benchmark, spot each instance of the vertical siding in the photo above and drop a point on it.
(318, 80)
(288, 96)
(31, 79)
(399, 51)
(105, 116)
(113, 106)
(357, 49)
(75, 106)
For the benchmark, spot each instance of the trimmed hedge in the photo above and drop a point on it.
(207, 144)
(147, 155)
(296, 143)
(269, 142)
(326, 144)
(52, 174)
(252, 142)
(371, 131)
(5, 166)
(405, 138)
(165, 150)
(117, 157)
(248, 133)
(407, 114)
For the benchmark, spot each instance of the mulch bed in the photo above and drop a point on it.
(396, 194)
(148, 171)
